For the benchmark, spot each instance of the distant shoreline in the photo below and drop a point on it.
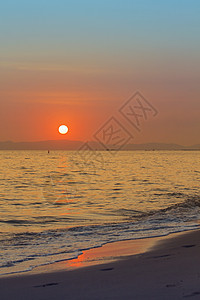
(92, 145)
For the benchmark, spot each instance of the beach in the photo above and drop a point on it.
(161, 268)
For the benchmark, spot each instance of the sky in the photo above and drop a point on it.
(77, 62)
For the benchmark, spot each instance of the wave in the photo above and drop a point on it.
(186, 205)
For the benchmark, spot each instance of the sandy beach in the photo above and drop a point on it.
(160, 268)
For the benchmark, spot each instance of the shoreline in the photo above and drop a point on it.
(106, 253)
(164, 268)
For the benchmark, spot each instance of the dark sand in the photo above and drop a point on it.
(169, 270)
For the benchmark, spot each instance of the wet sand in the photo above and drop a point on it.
(159, 268)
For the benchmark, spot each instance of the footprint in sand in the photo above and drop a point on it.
(188, 246)
(192, 295)
(47, 284)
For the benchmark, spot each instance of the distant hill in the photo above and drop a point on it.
(154, 146)
(41, 145)
(195, 147)
(75, 145)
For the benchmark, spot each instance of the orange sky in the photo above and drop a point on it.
(36, 102)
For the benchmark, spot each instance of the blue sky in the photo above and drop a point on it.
(98, 25)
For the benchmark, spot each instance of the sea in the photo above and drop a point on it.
(55, 205)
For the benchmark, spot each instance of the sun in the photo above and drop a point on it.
(63, 129)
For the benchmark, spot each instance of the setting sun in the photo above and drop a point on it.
(63, 129)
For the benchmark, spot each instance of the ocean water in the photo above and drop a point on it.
(53, 206)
